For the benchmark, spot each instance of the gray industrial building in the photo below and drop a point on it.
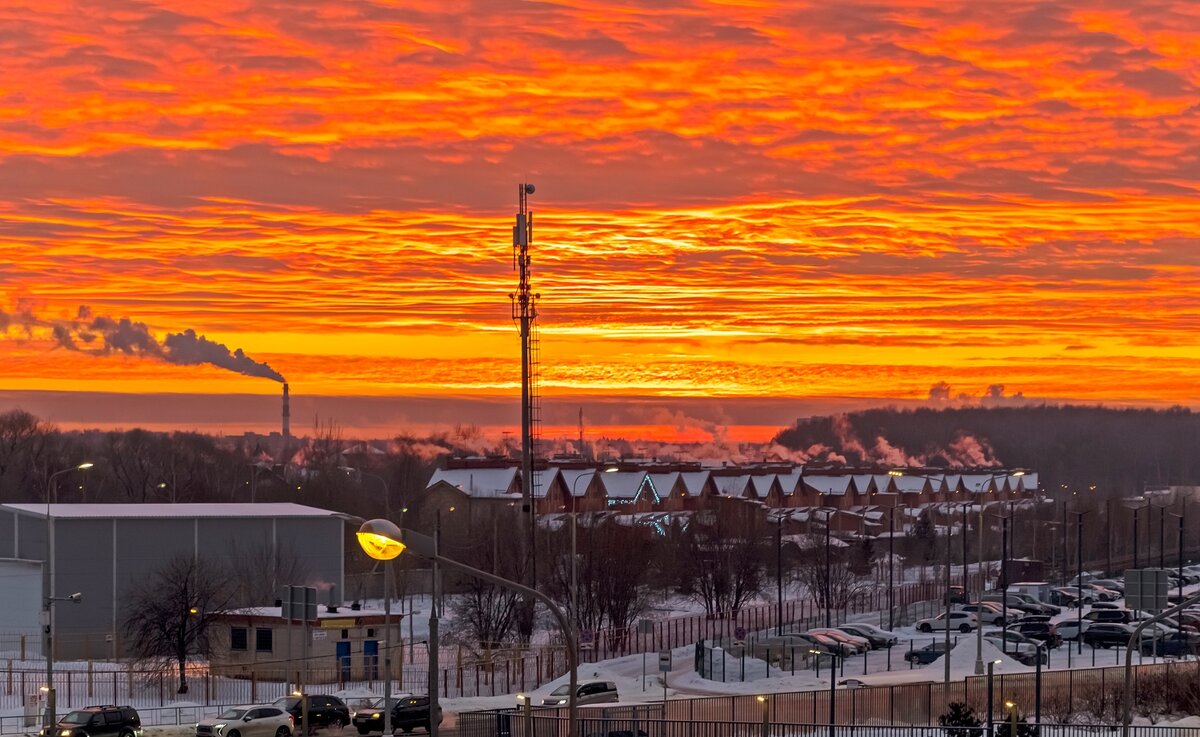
(104, 551)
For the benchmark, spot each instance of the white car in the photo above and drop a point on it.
(1068, 629)
(986, 612)
(961, 621)
(262, 720)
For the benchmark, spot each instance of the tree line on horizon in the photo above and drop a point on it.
(1118, 451)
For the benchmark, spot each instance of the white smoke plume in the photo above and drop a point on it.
(100, 335)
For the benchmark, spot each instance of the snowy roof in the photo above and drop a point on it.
(762, 485)
(477, 482)
(1029, 482)
(664, 483)
(694, 481)
(623, 484)
(977, 483)
(863, 483)
(731, 485)
(909, 484)
(835, 485)
(789, 482)
(883, 482)
(143, 511)
(577, 480)
(952, 481)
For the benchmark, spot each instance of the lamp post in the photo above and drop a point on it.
(1003, 577)
(828, 583)
(50, 598)
(1181, 517)
(1162, 533)
(384, 540)
(1079, 576)
(778, 517)
(991, 669)
(591, 473)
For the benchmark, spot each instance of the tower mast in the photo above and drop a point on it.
(524, 312)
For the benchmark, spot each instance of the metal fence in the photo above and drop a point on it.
(515, 724)
(171, 715)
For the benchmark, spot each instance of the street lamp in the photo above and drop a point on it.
(376, 543)
(380, 537)
(946, 628)
(1140, 502)
(1079, 576)
(829, 513)
(50, 598)
(777, 517)
(590, 473)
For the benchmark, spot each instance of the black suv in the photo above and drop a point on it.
(1107, 634)
(97, 721)
(926, 655)
(408, 713)
(323, 711)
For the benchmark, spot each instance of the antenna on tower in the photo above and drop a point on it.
(524, 313)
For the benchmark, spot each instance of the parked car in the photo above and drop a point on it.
(860, 644)
(1012, 642)
(588, 692)
(961, 621)
(411, 712)
(323, 711)
(879, 638)
(1174, 645)
(97, 721)
(986, 612)
(1099, 593)
(925, 655)
(1107, 634)
(1068, 596)
(1039, 606)
(1016, 603)
(1122, 616)
(247, 721)
(1111, 583)
(1043, 632)
(1068, 629)
(957, 595)
(826, 645)
(1041, 618)
(1106, 605)
(367, 716)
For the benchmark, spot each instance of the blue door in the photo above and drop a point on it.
(343, 659)
(371, 659)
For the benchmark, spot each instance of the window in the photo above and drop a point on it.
(345, 634)
(370, 632)
(255, 714)
(112, 717)
(263, 639)
(238, 638)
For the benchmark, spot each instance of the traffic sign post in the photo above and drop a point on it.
(1147, 589)
(664, 667)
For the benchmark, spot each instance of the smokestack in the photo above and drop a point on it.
(287, 413)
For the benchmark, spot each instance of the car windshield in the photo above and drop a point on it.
(286, 702)
(232, 714)
(561, 691)
(77, 717)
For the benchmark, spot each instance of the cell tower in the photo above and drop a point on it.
(524, 313)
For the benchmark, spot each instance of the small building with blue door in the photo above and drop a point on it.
(343, 644)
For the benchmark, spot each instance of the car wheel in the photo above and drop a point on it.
(126, 733)
(964, 628)
(924, 628)
(233, 733)
(283, 732)
(998, 622)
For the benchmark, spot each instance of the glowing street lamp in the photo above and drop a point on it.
(380, 539)
(384, 540)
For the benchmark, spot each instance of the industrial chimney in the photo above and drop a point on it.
(287, 413)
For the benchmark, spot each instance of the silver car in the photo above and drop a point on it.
(588, 692)
(247, 721)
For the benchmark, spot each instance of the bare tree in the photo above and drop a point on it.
(169, 615)
(727, 551)
(832, 586)
(23, 440)
(258, 569)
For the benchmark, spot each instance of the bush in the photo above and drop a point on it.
(960, 721)
(1024, 728)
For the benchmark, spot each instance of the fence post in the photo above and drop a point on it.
(114, 688)
(253, 686)
(91, 689)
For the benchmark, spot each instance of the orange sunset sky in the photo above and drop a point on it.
(739, 200)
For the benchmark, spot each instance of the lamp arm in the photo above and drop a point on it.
(563, 623)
